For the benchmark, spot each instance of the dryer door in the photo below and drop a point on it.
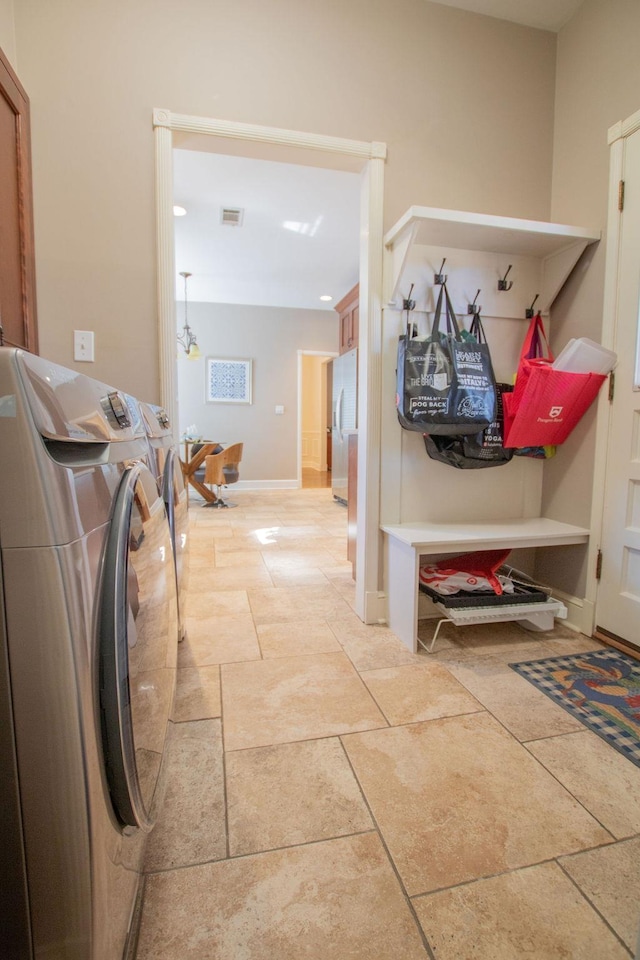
(169, 494)
(137, 645)
(177, 505)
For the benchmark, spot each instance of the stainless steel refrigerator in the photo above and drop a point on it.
(344, 419)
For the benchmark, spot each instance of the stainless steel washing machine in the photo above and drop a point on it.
(165, 464)
(88, 628)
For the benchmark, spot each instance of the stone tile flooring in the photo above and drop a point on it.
(331, 796)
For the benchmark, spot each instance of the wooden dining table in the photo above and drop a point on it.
(192, 463)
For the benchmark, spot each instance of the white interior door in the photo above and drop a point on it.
(618, 599)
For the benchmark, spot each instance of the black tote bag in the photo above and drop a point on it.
(474, 451)
(445, 385)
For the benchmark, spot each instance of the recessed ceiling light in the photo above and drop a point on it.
(326, 297)
(179, 211)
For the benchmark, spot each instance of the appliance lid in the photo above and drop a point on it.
(67, 405)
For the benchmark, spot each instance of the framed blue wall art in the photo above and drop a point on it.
(228, 381)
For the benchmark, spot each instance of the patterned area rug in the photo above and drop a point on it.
(601, 688)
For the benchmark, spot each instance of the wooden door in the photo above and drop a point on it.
(618, 599)
(18, 326)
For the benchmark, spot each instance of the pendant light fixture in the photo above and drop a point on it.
(187, 339)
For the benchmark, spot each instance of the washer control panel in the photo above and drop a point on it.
(116, 410)
(162, 419)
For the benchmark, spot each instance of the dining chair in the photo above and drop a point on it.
(196, 447)
(222, 469)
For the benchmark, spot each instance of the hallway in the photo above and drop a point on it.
(315, 479)
(331, 796)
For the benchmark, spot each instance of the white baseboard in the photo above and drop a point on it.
(253, 485)
(265, 485)
(375, 607)
(580, 613)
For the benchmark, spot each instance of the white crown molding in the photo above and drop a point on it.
(631, 124)
(182, 123)
(614, 132)
(624, 128)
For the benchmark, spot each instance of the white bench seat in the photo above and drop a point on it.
(406, 543)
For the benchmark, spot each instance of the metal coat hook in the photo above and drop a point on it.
(529, 311)
(474, 307)
(503, 284)
(408, 303)
(440, 278)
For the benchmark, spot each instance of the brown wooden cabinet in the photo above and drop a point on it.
(349, 316)
(18, 327)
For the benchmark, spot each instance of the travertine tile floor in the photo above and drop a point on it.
(333, 797)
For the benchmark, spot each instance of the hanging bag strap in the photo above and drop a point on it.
(536, 346)
(435, 327)
(477, 330)
(452, 323)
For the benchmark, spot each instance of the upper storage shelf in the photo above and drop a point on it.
(556, 246)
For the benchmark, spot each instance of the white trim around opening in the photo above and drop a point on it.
(368, 603)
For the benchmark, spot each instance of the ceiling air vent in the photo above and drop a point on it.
(231, 216)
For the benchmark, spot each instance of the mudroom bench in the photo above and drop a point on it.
(407, 543)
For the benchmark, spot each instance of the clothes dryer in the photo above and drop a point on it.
(166, 467)
(87, 660)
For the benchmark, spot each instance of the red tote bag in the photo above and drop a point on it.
(546, 404)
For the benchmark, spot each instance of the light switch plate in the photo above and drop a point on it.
(83, 345)
(279, 410)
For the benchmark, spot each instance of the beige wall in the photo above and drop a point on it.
(7, 32)
(467, 105)
(464, 102)
(598, 83)
(271, 337)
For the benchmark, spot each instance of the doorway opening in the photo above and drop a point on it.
(314, 418)
(261, 289)
(366, 158)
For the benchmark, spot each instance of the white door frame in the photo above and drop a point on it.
(368, 603)
(616, 137)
